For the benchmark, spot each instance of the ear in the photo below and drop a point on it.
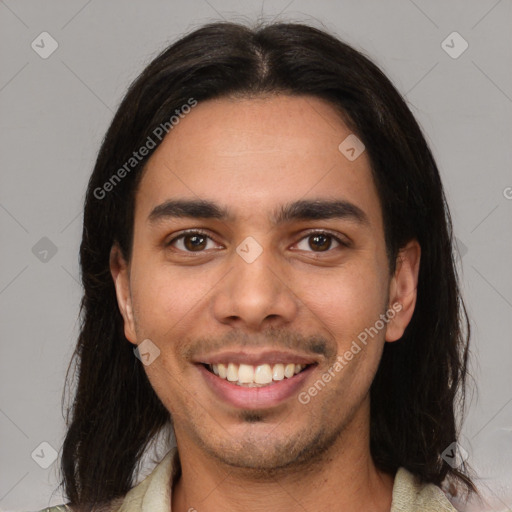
(403, 289)
(120, 271)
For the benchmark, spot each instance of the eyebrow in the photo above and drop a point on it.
(316, 209)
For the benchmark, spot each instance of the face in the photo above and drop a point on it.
(255, 298)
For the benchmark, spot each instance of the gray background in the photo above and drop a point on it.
(54, 113)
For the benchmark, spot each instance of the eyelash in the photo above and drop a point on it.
(308, 234)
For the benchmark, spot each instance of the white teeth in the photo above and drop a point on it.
(221, 368)
(263, 374)
(232, 375)
(289, 370)
(252, 376)
(278, 372)
(245, 374)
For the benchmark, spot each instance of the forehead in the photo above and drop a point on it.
(251, 155)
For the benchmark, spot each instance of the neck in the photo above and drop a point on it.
(345, 478)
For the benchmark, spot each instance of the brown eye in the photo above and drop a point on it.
(190, 241)
(321, 242)
(194, 242)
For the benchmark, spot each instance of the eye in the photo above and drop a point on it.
(321, 240)
(190, 241)
(197, 241)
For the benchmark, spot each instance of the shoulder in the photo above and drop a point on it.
(111, 506)
(56, 508)
(409, 494)
(152, 493)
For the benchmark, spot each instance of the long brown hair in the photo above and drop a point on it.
(419, 387)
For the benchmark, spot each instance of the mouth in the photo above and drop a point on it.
(255, 376)
(255, 381)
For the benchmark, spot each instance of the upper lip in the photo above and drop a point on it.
(256, 358)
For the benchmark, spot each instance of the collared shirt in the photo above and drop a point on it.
(153, 494)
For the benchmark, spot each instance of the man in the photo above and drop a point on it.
(267, 268)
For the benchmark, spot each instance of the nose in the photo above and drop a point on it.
(256, 294)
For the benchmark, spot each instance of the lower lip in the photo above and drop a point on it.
(257, 397)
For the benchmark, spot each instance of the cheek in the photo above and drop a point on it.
(164, 295)
(345, 301)
(171, 304)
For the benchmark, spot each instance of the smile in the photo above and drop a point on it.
(255, 376)
(261, 386)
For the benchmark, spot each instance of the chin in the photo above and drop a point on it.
(261, 453)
